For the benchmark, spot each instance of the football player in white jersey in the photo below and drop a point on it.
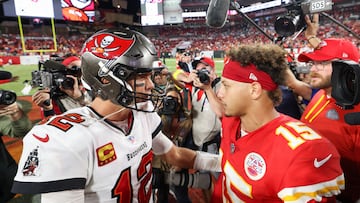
(103, 152)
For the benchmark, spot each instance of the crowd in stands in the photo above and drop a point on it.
(199, 38)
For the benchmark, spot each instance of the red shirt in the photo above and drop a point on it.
(284, 160)
(327, 118)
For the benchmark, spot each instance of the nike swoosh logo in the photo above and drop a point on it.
(42, 139)
(317, 163)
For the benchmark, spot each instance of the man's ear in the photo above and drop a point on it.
(256, 90)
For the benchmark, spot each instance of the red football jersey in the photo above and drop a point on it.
(283, 161)
(327, 118)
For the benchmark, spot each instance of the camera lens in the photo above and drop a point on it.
(349, 83)
(170, 105)
(203, 75)
(7, 97)
(286, 25)
(68, 83)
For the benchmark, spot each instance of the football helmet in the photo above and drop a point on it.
(117, 56)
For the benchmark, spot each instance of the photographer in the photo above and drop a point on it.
(65, 98)
(203, 83)
(13, 121)
(323, 114)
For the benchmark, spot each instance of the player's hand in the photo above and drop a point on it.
(42, 99)
(312, 25)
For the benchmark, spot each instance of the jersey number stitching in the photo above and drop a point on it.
(123, 189)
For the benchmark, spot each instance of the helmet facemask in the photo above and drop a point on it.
(128, 94)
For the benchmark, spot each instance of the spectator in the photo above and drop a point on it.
(104, 151)
(177, 124)
(206, 124)
(160, 78)
(13, 120)
(185, 62)
(267, 155)
(67, 98)
(323, 112)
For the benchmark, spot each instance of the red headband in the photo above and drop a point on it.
(234, 71)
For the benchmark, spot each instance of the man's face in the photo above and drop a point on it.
(160, 77)
(234, 96)
(320, 73)
(143, 86)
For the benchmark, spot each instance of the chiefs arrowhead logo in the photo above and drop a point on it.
(108, 46)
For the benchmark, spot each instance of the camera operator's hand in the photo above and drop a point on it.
(312, 29)
(42, 99)
(75, 92)
(196, 80)
(12, 110)
(312, 25)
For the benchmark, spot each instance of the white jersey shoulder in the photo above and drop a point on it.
(80, 150)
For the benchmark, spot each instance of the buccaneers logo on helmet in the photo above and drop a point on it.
(108, 46)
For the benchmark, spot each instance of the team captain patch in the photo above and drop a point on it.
(255, 166)
(105, 154)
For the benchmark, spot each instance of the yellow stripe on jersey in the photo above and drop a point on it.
(315, 192)
(315, 107)
(317, 113)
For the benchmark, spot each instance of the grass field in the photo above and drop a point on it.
(24, 73)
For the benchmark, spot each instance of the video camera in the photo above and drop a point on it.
(294, 20)
(7, 97)
(345, 82)
(52, 74)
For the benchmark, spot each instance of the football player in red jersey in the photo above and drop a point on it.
(268, 156)
(103, 152)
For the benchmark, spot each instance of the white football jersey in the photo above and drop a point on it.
(79, 150)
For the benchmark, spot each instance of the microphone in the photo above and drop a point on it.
(217, 12)
(352, 118)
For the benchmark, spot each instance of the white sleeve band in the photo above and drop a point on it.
(208, 162)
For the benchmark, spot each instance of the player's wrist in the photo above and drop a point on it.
(208, 162)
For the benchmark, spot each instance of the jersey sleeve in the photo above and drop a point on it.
(315, 173)
(53, 160)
